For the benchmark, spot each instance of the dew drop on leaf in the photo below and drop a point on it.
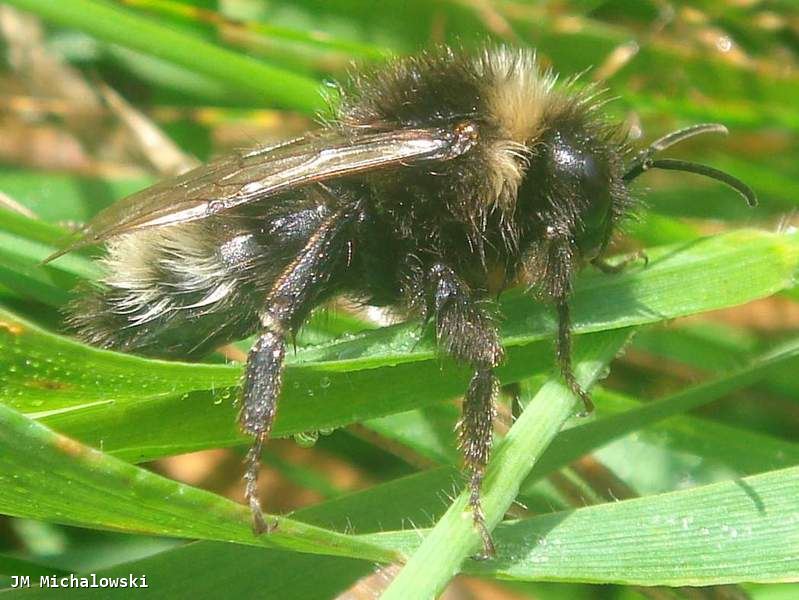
(306, 439)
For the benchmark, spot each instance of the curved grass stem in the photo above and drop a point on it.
(454, 538)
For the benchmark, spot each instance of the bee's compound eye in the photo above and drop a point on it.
(580, 168)
(574, 162)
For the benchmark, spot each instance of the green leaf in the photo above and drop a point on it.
(440, 555)
(257, 80)
(708, 535)
(581, 439)
(681, 279)
(59, 197)
(414, 499)
(216, 570)
(24, 243)
(180, 407)
(743, 450)
(100, 397)
(45, 475)
(745, 530)
(10, 565)
(260, 33)
(428, 431)
(238, 570)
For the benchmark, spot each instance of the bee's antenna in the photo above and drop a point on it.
(682, 165)
(675, 137)
(644, 160)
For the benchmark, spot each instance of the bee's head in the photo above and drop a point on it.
(575, 191)
(573, 186)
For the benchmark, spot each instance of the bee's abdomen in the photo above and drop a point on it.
(174, 291)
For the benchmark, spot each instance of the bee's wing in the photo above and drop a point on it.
(241, 178)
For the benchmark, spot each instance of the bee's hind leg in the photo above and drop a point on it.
(262, 383)
(466, 332)
(301, 285)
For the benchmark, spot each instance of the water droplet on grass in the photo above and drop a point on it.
(306, 439)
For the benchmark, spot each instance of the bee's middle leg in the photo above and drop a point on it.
(466, 331)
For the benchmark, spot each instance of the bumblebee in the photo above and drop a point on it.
(441, 180)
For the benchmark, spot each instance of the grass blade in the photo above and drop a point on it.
(440, 555)
(581, 439)
(45, 475)
(252, 78)
(745, 530)
(184, 407)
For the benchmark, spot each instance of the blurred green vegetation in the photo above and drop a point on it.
(699, 415)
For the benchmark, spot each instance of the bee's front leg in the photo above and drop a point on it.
(561, 269)
(465, 330)
(564, 352)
